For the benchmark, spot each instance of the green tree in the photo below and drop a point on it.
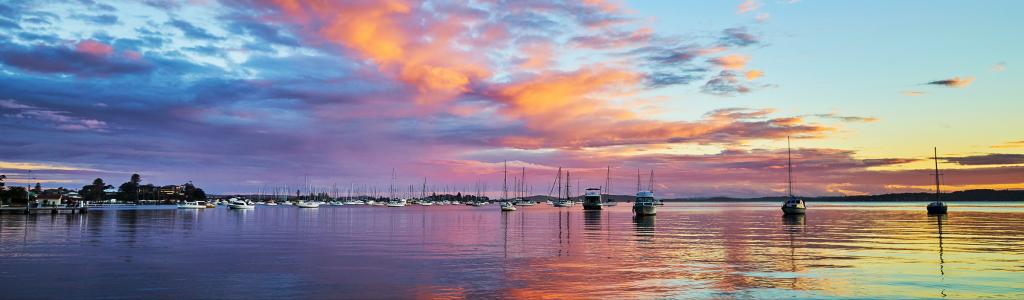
(129, 191)
(16, 195)
(94, 191)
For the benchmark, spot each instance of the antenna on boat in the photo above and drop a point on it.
(789, 164)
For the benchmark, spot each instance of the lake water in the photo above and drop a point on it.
(689, 250)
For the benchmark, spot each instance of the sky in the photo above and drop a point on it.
(241, 95)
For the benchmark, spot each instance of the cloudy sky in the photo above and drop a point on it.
(238, 94)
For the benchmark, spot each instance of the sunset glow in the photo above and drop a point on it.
(235, 95)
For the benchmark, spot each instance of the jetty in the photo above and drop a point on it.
(53, 210)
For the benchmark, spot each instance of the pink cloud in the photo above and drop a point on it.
(93, 47)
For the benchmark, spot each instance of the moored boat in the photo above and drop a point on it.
(644, 204)
(792, 205)
(192, 205)
(592, 199)
(235, 203)
(937, 207)
(305, 204)
(507, 206)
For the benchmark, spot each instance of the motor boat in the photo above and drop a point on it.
(644, 204)
(592, 199)
(305, 204)
(235, 203)
(192, 205)
(507, 206)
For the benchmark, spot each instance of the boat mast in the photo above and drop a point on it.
(608, 181)
(789, 164)
(650, 185)
(522, 184)
(567, 185)
(936, 158)
(504, 183)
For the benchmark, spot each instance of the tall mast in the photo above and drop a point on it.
(567, 185)
(522, 184)
(789, 164)
(504, 183)
(650, 185)
(936, 157)
(608, 181)
(558, 182)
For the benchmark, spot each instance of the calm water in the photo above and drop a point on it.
(692, 250)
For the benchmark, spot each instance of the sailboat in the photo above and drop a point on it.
(644, 204)
(506, 205)
(937, 207)
(793, 205)
(607, 190)
(567, 201)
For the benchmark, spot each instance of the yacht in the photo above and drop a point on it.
(937, 207)
(426, 202)
(397, 203)
(211, 205)
(507, 206)
(352, 202)
(192, 205)
(592, 199)
(271, 203)
(792, 205)
(644, 204)
(305, 204)
(336, 203)
(526, 203)
(234, 203)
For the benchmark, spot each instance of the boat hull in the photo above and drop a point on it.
(592, 206)
(790, 210)
(936, 209)
(645, 210)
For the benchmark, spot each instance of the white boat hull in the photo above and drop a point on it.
(645, 210)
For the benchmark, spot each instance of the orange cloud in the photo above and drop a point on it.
(572, 110)
(754, 74)
(374, 30)
(913, 93)
(731, 61)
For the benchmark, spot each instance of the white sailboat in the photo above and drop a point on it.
(793, 205)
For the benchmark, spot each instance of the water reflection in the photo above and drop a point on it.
(592, 220)
(697, 250)
(942, 262)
